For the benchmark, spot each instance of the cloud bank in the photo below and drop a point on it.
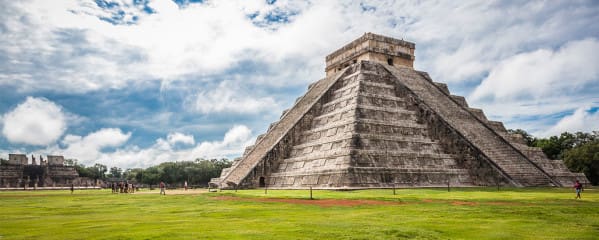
(542, 73)
(196, 72)
(36, 121)
(93, 148)
(582, 120)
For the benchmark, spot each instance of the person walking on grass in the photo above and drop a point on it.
(578, 187)
(72, 188)
(162, 188)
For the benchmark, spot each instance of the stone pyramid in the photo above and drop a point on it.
(375, 122)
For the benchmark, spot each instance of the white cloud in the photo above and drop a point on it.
(174, 138)
(36, 121)
(89, 148)
(540, 83)
(164, 7)
(233, 144)
(581, 120)
(541, 60)
(542, 73)
(230, 98)
(173, 42)
(456, 41)
(464, 40)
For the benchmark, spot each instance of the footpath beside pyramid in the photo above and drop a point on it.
(375, 122)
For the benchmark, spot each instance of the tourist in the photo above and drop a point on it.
(72, 188)
(578, 187)
(162, 188)
(185, 185)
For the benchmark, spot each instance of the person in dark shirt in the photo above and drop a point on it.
(578, 187)
(162, 188)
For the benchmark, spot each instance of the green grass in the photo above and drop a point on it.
(466, 213)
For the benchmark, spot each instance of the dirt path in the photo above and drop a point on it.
(175, 191)
(318, 202)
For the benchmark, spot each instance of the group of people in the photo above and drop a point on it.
(123, 187)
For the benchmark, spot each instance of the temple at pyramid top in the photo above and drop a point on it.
(372, 47)
(375, 122)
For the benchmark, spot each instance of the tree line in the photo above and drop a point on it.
(197, 172)
(579, 151)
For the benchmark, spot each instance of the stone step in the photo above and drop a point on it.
(272, 125)
(259, 138)
(377, 170)
(248, 149)
(471, 123)
(460, 100)
(283, 113)
(332, 125)
(443, 87)
(272, 137)
(497, 126)
(478, 113)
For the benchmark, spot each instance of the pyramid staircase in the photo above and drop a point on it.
(518, 164)
(373, 124)
(472, 124)
(370, 126)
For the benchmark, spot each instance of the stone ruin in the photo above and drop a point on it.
(375, 122)
(19, 173)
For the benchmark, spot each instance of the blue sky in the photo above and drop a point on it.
(136, 83)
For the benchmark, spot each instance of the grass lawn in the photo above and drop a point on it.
(464, 213)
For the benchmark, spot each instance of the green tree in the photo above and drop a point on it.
(100, 171)
(529, 139)
(82, 170)
(151, 175)
(115, 172)
(134, 174)
(583, 138)
(584, 158)
(198, 172)
(555, 146)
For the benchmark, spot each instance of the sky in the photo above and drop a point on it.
(136, 83)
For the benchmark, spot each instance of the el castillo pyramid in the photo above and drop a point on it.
(375, 122)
